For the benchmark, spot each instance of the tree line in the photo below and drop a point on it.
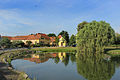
(93, 36)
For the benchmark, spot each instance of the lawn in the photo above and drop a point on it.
(56, 49)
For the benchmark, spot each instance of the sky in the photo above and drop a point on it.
(23, 17)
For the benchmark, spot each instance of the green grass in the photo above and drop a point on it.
(56, 49)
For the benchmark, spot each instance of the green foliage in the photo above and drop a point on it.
(94, 67)
(72, 40)
(56, 40)
(57, 49)
(94, 36)
(65, 35)
(51, 35)
(117, 35)
(28, 43)
(18, 44)
(66, 60)
(5, 43)
(81, 25)
(56, 60)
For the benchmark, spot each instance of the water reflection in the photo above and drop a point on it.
(95, 67)
(43, 57)
(91, 67)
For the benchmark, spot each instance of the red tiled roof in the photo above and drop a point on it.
(52, 39)
(9, 37)
(53, 54)
(59, 36)
(36, 60)
(28, 37)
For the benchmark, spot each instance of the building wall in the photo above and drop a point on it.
(33, 41)
(62, 42)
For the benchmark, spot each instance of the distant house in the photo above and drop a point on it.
(34, 38)
(62, 41)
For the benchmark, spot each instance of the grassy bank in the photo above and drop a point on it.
(56, 49)
(113, 51)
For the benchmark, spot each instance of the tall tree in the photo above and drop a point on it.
(117, 35)
(72, 40)
(94, 36)
(5, 43)
(51, 35)
(56, 40)
(65, 35)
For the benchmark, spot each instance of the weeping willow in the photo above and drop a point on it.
(94, 36)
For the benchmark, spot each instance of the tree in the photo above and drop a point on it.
(72, 40)
(51, 35)
(117, 41)
(81, 25)
(65, 35)
(18, 44)
(5, 43)
(94, 36)
(29, 43)
(57, 40)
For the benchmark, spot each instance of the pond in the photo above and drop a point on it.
(67, 66)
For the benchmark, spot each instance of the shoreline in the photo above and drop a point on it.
(7, 71)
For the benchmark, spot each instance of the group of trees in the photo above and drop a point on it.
(6, 43)
(70, 41)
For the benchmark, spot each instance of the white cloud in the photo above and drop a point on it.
(13, 16)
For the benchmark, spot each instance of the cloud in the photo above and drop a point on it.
(11, 21)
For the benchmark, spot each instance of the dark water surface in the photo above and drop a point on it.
(67, 66)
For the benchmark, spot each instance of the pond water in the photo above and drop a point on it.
(67, 66)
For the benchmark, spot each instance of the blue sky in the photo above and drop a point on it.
(22, 17)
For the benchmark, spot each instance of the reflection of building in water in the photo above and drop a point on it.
(62, 56)
(36, 60)
(40, 58)
(35, 56)
(53, 55)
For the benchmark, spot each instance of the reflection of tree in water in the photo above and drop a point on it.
(56, 60)
(73, 57)
(116, 60)
(66, 60)
(94, 68)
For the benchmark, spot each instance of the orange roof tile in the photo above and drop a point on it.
(29, 37)
(52, 39)
(59, 36)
